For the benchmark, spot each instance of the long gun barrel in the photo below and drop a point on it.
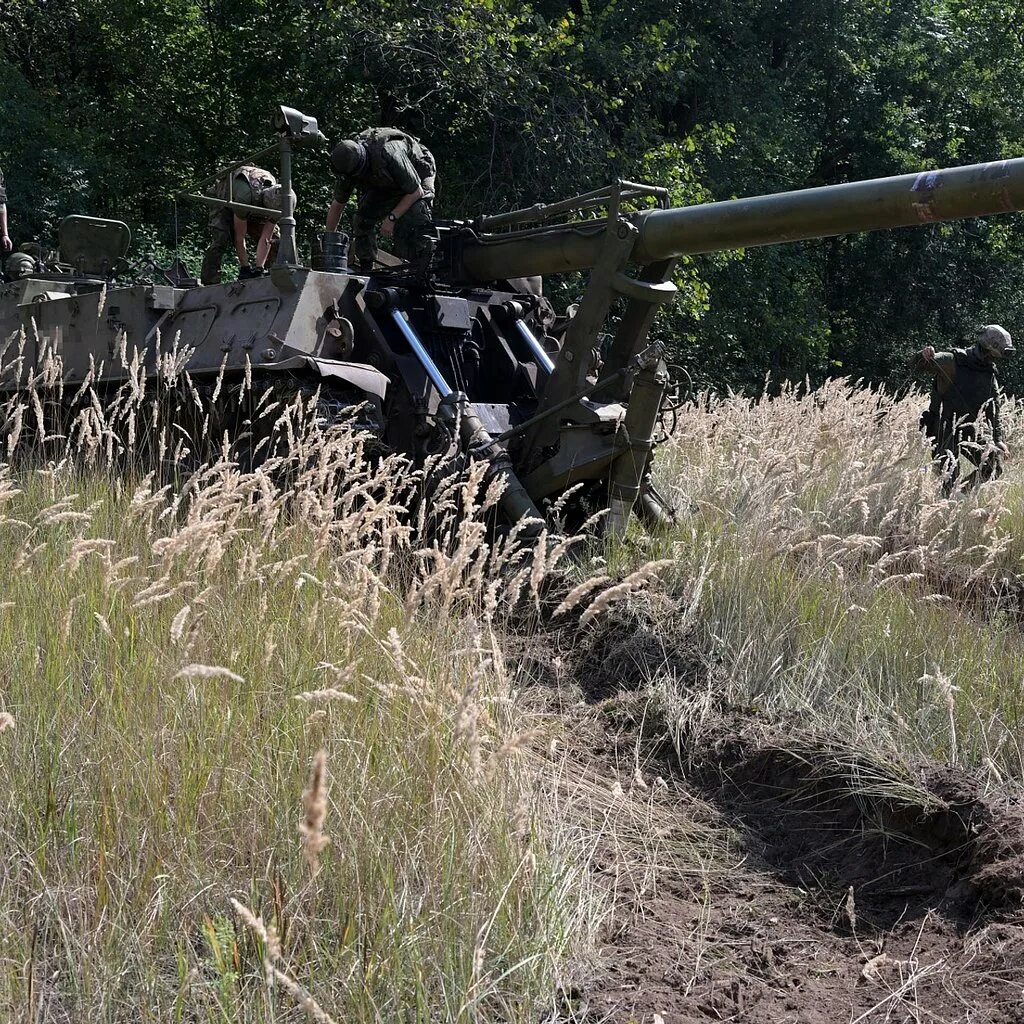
(976, 190)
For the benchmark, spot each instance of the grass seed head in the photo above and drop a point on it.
(314, 806)
(208, 672)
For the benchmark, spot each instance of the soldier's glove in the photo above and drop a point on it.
(247, 273)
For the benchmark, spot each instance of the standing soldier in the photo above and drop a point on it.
(964, 387)
(5, 238)
(230, 228)
(394, 175)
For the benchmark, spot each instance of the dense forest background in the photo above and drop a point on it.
(111, 107)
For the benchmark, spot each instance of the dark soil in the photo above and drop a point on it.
(787, 889)
(931, 843)
(801, 913)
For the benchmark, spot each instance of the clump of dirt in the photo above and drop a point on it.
(907, 838)
(621, 653)
(995, 835)
(722, 930)
(630, 647)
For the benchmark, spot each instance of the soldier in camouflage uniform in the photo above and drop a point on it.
(395, 178)
(962, 417)
(5, 238)
(230, 229)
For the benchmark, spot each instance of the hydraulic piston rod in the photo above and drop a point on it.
(428, 364)
(543, 359)
(976, 190)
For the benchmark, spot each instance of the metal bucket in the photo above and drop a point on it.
(330, 252)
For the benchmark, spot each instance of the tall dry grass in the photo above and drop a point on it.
(260, 750)
(826, 576)
(260, 754)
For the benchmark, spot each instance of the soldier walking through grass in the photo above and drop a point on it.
(962, 418)
(394, 175)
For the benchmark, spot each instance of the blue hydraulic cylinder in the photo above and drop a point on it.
(428, 364)
(543, 359)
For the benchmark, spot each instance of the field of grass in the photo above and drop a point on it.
(262, 751)
(175, 660)
(839, 584)
(170, 681)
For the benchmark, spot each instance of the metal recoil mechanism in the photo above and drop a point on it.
(466, 356)
(906, 200)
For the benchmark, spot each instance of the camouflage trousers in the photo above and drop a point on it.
(415, 235)
(222, 241)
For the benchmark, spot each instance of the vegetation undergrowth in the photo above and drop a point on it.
(167, 686)
(822, 573)
(260, 752)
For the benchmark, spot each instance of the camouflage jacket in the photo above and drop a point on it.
(964, 385)
(396, 163)
(247, 185)
(3, 191)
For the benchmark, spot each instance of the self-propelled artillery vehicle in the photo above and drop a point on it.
(466, 352)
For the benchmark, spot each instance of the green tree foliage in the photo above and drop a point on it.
(112, 108)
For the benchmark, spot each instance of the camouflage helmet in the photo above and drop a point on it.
(348, 157)
(995, 340)
(19, 265)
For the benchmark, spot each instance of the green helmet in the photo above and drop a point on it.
(19, 265)
(348, 157)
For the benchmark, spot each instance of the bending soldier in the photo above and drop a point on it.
(395, 177)
(5, 238)
(231, 228)
(964, 388)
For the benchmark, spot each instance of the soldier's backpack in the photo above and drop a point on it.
(375, 139)
(963, 393)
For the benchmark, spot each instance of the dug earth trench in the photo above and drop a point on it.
(762, 877)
